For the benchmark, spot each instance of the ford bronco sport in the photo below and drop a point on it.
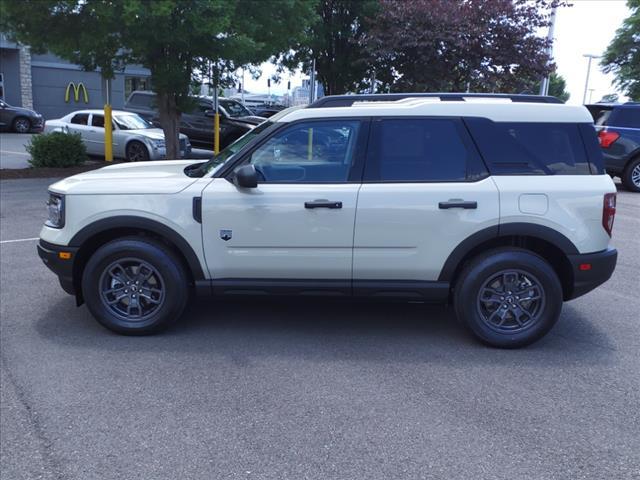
(497, 204)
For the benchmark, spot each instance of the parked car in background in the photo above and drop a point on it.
(618, 128)
(235, 118)
(134, 138)
(19, 120)
(267, 111)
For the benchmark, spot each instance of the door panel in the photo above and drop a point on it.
(403, 234)
(273, 235)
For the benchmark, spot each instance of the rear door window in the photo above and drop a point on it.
(421, 150)
(97, 121)
(80, 119)
(524, 148)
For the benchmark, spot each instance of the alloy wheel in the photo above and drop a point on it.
(136, 152)
(511, 301)
(132, 289)
(635, 175)
(22, 125)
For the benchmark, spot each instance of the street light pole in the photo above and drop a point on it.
(590, 56)
(544, 84)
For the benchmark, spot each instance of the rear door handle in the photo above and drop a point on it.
(455, 203)
(322, 204)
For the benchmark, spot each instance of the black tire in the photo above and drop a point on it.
(21, 125)
(479, 298)
(137, 152)
(631, 175)
(161, 297)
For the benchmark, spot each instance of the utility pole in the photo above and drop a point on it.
(312, 82)
(590, 56)
(242, 85)
(544, 84)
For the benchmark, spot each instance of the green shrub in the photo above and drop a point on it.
(56, 149)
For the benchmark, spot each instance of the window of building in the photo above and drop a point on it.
(132, 84)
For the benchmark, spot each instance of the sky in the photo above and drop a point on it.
(586, 27)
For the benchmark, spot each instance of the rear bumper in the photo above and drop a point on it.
(63, 268)
(591, 270)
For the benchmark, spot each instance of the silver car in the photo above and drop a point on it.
(134, 138)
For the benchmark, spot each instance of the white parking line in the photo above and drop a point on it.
(14, 153)
(19, 240)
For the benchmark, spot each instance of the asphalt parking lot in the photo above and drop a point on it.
(311, 391)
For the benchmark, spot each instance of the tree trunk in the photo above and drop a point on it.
(170, 122)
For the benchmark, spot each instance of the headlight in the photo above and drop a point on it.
(55, 210)
(158, 144)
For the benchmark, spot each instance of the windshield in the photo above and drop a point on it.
(131, 122)
(216, 162)
(235, 109)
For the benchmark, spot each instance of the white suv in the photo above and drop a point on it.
(499, 205)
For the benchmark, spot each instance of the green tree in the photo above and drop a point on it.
(557, 87)
(622, 56)
(175, 39)
(456, 45)
(336, 40)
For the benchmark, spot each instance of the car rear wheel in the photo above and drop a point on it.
(135, 286)
(21, 125)
(508, 297)
(137, 152)
(631, 175)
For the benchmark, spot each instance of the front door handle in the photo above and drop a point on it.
(456, 203)
(323, 204)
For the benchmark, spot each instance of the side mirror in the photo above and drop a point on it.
(210, 113)
(245, 176)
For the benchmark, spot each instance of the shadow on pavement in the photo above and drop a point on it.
(329, 331)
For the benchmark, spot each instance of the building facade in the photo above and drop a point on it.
(55, 87)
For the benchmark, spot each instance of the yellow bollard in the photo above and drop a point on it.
(108, 134)
(216, 133)
(310, 145)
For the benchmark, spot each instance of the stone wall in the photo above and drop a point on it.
(26, 89)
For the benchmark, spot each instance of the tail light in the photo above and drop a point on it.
(609, 212)
(607, 138)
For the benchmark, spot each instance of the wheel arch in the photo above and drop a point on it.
(551, 245)
(96, 234)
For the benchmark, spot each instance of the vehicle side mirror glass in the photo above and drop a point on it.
(245, 176)
(210, 113)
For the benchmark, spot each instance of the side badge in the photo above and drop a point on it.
(226, 235)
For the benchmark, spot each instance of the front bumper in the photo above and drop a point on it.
(62, 267)
(591, 270)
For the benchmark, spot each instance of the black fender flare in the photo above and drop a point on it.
(142, 223)
(504, 230)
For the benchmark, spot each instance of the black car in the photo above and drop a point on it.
(235, 118)
(20, 120)
(619, 134)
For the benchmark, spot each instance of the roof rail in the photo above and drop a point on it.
(349, 100)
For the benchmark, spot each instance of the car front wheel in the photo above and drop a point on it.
(137, 152)
(508, 297)
(135, 286)
(21, 125)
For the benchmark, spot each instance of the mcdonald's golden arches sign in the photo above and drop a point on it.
(77, 89)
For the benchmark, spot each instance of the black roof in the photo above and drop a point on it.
(349, 100)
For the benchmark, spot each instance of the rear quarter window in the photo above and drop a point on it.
(625, 117)
(528, 148)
